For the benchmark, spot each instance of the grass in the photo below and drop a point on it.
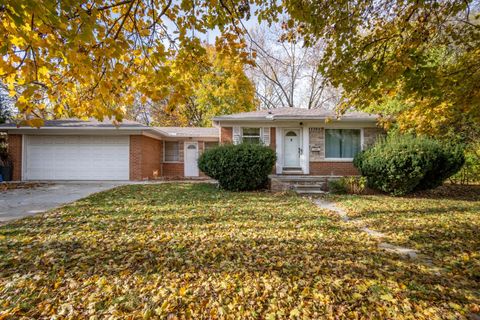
(443, 224)
(192, 251)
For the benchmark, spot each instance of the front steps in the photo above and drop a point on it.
(301, 184)
(317, 188)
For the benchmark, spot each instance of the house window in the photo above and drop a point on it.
(210, 145)
(251, 135)
(342, 143)
(172, 151)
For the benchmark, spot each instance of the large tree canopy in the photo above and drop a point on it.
(215, 84)
(92, 58)
(418, 60)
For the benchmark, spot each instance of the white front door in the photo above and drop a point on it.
(191, 159)
(291, 148)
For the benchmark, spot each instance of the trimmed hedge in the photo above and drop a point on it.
(402, 164)
(240, 167)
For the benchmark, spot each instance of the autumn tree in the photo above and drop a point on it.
(215, 84)
(286, 72)
(416, 60)
(91, 58)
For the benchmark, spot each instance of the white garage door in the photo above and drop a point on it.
(76, 158)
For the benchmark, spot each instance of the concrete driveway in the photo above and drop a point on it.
(19, 203)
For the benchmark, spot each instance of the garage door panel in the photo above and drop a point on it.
(77, 158)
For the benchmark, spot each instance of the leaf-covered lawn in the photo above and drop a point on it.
(192, 251)
(443, 224)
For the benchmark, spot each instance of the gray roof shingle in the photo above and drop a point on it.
(173, 132)
(77, 123)
(297, 114)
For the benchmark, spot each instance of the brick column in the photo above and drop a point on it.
(135, 157)
(15, 146)
(226, 134)
(273, 139)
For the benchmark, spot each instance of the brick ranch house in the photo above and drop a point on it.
(307, 143)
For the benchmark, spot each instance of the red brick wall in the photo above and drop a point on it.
(15, 151)
(152, 156)
(135, 157)
(273, 139)
(173, 170)
(273, 146)
(176, 169)
(226, 134)
(333, 169)
(145, 157)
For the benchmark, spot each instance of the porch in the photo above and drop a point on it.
(301, 184)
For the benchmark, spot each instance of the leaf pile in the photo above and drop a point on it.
(181, 251)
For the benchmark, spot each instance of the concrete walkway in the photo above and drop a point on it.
(402, 251)
(19, 203)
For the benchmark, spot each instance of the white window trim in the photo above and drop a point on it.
(340, 159)
(252, 127)
(168, 161)
(259, 134)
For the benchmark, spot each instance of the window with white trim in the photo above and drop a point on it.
(342, 143)
(172, 151)
(251, 135)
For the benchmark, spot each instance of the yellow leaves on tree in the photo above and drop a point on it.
(215, 84)
(91, 58)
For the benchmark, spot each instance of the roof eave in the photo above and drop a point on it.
(289, 118)
(74, 128)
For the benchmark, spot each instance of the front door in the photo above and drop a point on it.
(292, 148)
(191, 158)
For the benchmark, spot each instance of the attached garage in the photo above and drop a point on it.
(82, 157)
(92, 150)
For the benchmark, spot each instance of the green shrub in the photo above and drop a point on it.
(350, 185)
(238, 167)
(402, 164)
(337, 186)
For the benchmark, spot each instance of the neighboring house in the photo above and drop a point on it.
(307, 141)
(92, 150)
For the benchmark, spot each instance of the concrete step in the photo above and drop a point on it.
(309, 186)
(310, 191)
(302, 183)
(315, 188)
(292, 172)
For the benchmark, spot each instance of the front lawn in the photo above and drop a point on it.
(443, 224)
(192, 251)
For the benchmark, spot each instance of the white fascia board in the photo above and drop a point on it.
(293, 118)
(74, 131)
(193, 139)
(305, 122)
